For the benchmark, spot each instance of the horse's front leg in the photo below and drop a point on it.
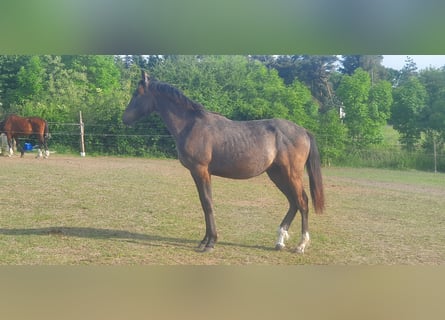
(203, 184)
(10, 146)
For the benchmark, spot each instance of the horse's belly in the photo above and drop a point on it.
(240, 166)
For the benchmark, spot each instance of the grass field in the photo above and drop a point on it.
(107, 211)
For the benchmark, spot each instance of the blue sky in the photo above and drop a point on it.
(422, 61)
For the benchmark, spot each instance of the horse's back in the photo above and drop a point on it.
(240, 149)
(17, 125)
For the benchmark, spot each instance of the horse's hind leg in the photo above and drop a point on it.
(42, 143)
(303, 205)
(282, 182)
(20, 148)
(304, 210)
(292, 187)
(45, 146)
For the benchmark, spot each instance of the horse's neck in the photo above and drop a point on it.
(175, 116)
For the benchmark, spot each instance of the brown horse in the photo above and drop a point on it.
(210, 144)
(15, 126)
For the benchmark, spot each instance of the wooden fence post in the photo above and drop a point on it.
(82, 133)
(435, 154)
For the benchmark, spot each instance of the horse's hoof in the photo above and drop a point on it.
(203, 249)
(299, 250)
(208, 249)
(199, 249)
(279, 246)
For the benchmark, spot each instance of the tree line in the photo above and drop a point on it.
(347, 101)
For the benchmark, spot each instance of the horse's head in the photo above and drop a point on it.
(141, 104)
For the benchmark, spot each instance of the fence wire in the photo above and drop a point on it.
(66, 137)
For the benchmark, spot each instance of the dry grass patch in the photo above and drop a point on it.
(104, 210)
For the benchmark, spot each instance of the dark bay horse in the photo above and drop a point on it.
(210, 144)
(15, 126)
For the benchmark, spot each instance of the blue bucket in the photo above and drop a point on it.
(27, 147)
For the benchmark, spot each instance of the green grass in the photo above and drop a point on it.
(68, 210)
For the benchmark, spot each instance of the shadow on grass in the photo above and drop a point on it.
(95, 233)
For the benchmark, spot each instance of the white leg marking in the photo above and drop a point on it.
(39, 155)
(304, 242)
(11, 152)
(282, 236)
(46, 154)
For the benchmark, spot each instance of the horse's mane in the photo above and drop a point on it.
(176, 96)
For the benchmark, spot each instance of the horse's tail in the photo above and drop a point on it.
(313, 166)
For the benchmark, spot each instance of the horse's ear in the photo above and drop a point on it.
(145, 78)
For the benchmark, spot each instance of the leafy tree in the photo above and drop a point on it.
(236, 86)
(353, 91)
(370, 63)
(409, 101)
(379, 102)
(62, 90)
(350, 64)
(286, 65)
(312, 70)
(432, 118)
(366, 107)
(315, 72)
(409, 70)
(31, 79)
(102, 72)
(331, 136)
(9, 83)
(393, 76)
